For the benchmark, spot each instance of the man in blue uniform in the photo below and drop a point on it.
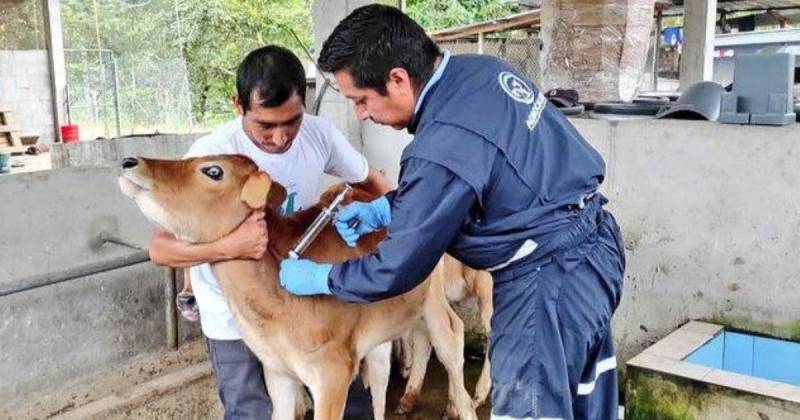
(500, 179)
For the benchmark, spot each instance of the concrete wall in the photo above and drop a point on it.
(25, 90)
(710, 215)
(59, 335)
(326, 15)
(111, 152)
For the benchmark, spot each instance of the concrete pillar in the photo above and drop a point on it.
(334, 106)
(697, 57)
(55, 54)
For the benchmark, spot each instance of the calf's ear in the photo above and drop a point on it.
(256, 189)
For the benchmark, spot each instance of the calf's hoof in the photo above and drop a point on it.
(407, 403)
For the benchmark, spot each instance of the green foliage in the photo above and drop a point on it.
(651, 397)
(219, 33)
(21, 25)
(210, 37)
(156, 45)
(440, 14)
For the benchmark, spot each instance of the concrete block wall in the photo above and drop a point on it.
(710, 216)
(25, 90)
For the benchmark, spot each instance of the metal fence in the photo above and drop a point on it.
(109, 96)
(521, 51)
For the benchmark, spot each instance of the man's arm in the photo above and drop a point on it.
(429, 207)
(249, 240)
(375, 183)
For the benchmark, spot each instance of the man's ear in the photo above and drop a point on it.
(256, 189)
(237, 104)
(398, 80)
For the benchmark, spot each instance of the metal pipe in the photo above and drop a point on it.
(116, 93)
(40, 280)
(170, 294)
(137, 257)
(117, 241)
(657, 50)
(55, 62)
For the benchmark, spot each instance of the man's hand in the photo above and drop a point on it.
(249, 240)
(305, 277)
(360, 218)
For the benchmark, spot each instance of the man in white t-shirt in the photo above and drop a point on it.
(295, 149)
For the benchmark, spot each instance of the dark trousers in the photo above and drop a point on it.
(243, 392)
(552, 350)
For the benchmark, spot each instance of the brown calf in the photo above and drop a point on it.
(316, 341)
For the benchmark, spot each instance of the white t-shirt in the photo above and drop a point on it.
(318, 148)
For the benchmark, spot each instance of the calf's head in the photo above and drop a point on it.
(199, 199)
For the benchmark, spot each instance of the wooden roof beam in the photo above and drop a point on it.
(525, 20)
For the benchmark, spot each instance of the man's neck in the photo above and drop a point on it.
(422, 85)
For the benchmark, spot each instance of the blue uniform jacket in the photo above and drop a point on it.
(494, 172)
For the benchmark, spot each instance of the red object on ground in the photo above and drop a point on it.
(69, 133)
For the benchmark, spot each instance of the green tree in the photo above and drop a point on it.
(440, 14)
(152, 40)
(218, 34)
(21, 26)
(146, 37)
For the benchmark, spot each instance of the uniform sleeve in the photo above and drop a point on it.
(343, 160)
(428, 209)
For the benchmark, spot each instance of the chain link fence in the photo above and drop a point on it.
(108, 97)
(521, 51)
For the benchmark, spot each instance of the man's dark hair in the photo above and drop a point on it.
(375, 39)
(273, 72)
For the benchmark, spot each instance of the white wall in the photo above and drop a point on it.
(25, 90)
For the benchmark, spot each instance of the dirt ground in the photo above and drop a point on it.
(433, 398)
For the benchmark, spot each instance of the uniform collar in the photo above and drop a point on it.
(431, 82)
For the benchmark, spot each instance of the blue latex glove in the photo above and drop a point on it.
(360, 218)
(305, 277)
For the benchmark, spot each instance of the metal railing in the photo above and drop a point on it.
(138, 256)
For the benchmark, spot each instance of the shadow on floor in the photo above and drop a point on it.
(433, 398)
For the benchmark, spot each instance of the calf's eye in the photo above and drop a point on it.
(214, 172)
